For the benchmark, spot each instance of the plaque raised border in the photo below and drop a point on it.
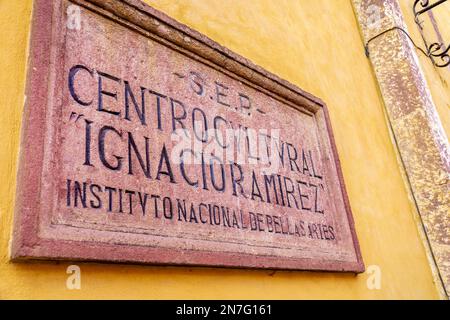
(42, 82)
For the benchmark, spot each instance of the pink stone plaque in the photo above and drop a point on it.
(144, 141)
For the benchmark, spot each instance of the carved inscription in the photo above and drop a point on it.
(153, 154)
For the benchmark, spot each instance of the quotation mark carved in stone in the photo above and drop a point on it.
(75, 116)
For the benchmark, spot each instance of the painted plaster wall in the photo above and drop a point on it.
(317, 46)
(438, 78)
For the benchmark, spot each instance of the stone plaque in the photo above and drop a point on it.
(144, 141)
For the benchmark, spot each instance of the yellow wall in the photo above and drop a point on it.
(314, 44)
(438, 78)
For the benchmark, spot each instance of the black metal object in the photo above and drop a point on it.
(425, 6)
(437, 52)
(366, 47)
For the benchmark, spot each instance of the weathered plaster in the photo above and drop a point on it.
(417, 129)
(315, 45)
